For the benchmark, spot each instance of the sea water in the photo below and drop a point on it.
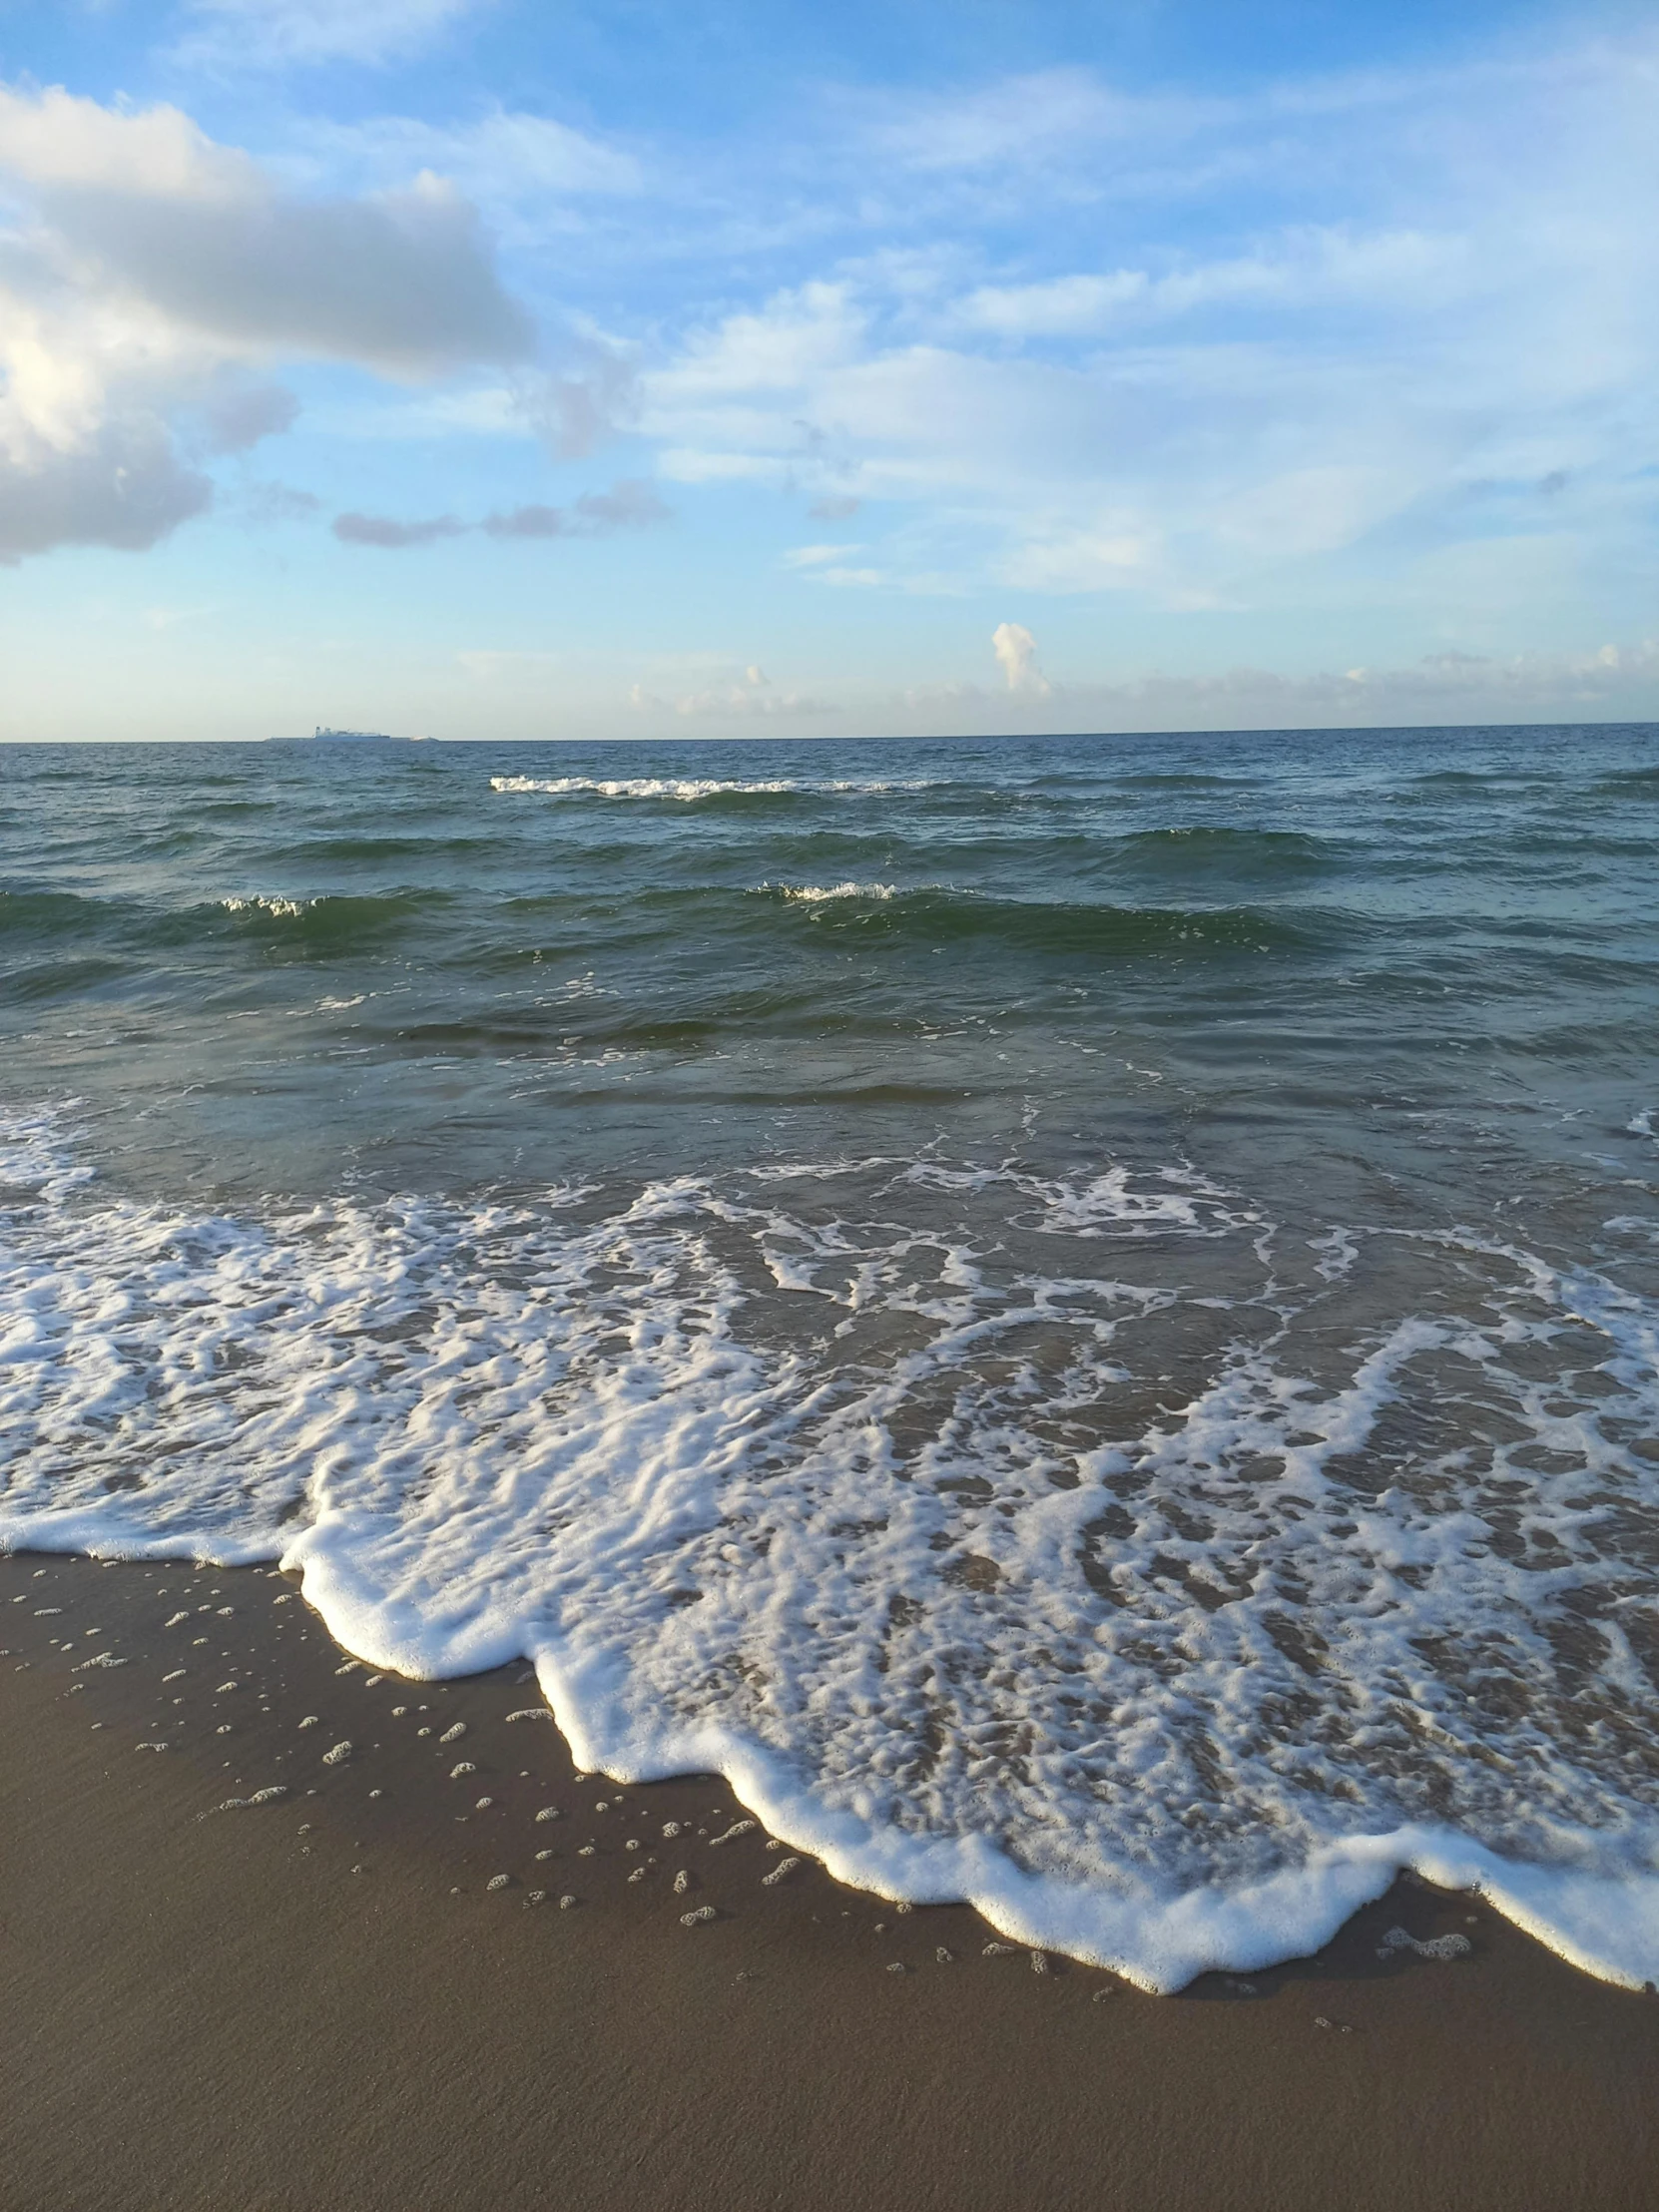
(1078, 1317)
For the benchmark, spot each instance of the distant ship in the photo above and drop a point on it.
(361, 737)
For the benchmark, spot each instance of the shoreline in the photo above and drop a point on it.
(324, 1998)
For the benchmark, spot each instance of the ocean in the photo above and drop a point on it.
(1077, 1317)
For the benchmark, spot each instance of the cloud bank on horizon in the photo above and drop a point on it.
(535, 384)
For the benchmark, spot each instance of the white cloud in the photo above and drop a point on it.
(1071, 559)
(261, 34)
(1363, 357)
(815, 556)
(1408, 272)
(155, 275)
(1016, 652)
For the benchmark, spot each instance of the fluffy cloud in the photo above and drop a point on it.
(122, 484)
(1016, 652)
(151, 274)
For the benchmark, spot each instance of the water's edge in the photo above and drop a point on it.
(1158, 1944)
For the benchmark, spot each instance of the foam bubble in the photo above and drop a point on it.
(1069, 1545)
(817, 893)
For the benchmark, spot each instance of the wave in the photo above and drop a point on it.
(1163, 1625)
(329, 925)
(687, 789)
(1638, 782)
(42, 913)
(941, 915)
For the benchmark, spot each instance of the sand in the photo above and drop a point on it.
(319, 2001)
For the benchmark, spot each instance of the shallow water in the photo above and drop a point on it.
(1079, 1316)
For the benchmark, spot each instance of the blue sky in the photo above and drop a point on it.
(498, 371)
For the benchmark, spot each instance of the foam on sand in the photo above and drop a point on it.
(934, 1505)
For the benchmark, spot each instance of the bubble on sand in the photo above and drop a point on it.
(453, 1735)
(738, 1827)
(398, 1710)
(310, 1720)
(531, 1713)
(899, 1967)
(998, 1950)
(536, 1896)
(565, 1904)
(150, 1747)
(172, 1623)
(671, 1829)
(225, 1687)
(585, 1850)
(177, 1675)
(784, 1868)
(1101, 1995)
(461, 1766)
(681, 1882)
(550, 1813)
(499, 1882)
(1039, 1961)
(483, 1805)
(946, 1958)
(638, 1875)
(1442, 1948)
(351, 1667)
(340, 1752)
(697, 1916)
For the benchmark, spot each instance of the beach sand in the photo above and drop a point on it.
(318, 2000)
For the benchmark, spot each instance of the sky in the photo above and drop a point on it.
(481, 368)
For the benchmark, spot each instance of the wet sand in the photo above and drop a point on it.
(319, 1999)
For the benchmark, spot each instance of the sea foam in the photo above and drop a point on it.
(935, 1507)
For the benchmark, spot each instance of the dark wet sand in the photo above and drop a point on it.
(316, 2002)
